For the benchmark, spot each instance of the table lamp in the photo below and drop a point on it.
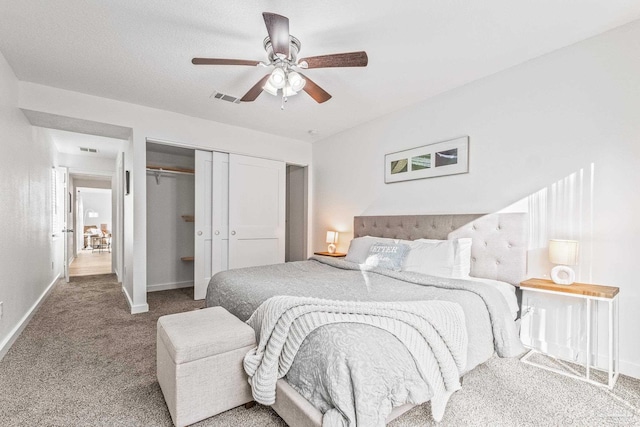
(332, 238)
(564, 253)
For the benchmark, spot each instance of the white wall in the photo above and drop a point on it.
(529, 127)
(27, 249)
(150, 123)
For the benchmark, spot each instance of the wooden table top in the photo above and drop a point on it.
(575, 288)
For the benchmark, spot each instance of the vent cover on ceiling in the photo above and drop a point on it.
(224, 97)
(89, 150)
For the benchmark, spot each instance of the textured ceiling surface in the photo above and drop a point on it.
(140, 51)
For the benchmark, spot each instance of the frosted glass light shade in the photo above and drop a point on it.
(296, 81)
(563, 252)
(278, 78)
(268, 87)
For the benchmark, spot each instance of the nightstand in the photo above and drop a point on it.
(589, 293)
(335, 255)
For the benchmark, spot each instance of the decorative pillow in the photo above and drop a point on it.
(444, 258)
(385, 255)
(359, 248)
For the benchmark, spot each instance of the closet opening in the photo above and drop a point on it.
(170, 217)
(296, 213)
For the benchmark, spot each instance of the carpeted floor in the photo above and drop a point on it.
(85, 361)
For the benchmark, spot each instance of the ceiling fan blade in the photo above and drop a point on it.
(255, 91)
(350, 59)
(278, 29)
(219, 61)
(315, 91)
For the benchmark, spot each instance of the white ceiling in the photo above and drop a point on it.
(140, 51)
(70, 143)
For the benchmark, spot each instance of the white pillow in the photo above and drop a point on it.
(444, 258)
(359, 248)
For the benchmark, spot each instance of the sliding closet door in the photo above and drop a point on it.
(220, 209)
(256, 211)
(202, 262)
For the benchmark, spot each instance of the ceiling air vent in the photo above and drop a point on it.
(88, 150)
(224, 97)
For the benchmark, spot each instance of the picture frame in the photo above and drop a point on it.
(442, 158)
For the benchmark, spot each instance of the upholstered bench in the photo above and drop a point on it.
(199, 363)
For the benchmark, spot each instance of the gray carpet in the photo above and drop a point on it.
(85, 361)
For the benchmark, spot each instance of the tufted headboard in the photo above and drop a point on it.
(498, 251)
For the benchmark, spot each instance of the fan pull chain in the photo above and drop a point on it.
(284, 99)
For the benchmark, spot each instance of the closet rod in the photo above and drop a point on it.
(158, 172)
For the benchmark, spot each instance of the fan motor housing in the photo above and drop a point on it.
(294, 48)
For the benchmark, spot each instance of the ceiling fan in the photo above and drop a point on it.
(282, 53)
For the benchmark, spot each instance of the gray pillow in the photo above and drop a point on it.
(389, 256)
(359, 248)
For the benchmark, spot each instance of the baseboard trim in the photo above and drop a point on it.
(168, 286)
(135, 309)
(6, 344)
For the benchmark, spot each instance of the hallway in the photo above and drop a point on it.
(87, 263)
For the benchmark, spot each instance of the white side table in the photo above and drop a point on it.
(589, 293)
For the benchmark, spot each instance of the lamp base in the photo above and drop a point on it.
(331, 248)
(563, 275)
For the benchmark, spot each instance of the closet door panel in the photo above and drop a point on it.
(256, 211)
(220, 210)
(202, 223)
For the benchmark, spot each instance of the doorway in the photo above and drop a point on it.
(296, 214)
(94, 225)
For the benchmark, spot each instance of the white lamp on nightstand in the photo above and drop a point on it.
(332, 238)
(564, 253)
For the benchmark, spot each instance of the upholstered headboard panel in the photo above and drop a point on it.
(498, 251)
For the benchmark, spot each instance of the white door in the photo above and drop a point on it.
(202, 223)
(220, 209)
(63, 203)
(256, 211)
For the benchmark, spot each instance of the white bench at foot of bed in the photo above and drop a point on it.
(199, 363)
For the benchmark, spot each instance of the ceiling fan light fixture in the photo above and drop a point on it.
(278, 78)
(268, 87)
(288, 91)
(296, 81)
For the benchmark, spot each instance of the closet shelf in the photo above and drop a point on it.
(188, 218)
(186, 258)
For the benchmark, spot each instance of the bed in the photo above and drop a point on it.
(498, 253)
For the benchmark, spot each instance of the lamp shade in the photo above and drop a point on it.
(332, 236)
(269, 88)
(564, 252)
(296, 81)
(278, 78)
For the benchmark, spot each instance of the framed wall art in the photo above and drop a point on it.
(442, 158)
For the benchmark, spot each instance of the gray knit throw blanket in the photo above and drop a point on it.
(433, 332)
